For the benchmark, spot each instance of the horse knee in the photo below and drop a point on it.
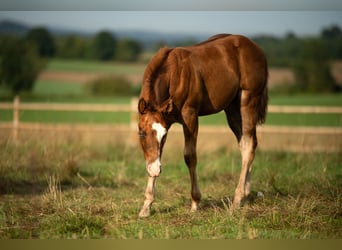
(190, 159)
(248, 143)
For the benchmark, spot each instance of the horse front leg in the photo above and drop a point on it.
(190, 158)
(190, 129)
(149, 197)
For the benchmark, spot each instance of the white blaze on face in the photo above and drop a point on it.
(161, 131)
(154, 167)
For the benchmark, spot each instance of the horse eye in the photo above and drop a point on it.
(142, 134)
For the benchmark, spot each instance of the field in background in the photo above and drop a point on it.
(60, 184)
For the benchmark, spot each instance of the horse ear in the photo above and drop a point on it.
(167, 106)
(142, 106)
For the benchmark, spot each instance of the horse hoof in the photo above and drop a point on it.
(144, 213)
(194, 207)
(236, 205)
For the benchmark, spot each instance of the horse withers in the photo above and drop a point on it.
(226, 72)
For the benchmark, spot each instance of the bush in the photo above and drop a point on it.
(20, 64)
(128, 50)
(104, 46)
(312, 69)
(111, 86)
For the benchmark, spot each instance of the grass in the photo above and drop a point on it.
(306, 99)
(94, 66)
(74, 117)
(328, 120)
(68, 190)
(73, 94)
(56, 88)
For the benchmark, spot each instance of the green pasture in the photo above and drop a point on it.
(55, 88)
(94, 66)
(50, 92)
(68, 190)
(334, 120)
(71, 92)
(74, 117)
(329, 120)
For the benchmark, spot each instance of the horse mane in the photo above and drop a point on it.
(151, 72)
(155, 63)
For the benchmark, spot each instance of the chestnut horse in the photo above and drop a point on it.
(226, 72)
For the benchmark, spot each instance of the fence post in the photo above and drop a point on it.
(134, 113)
(134, 123)
(16, 115)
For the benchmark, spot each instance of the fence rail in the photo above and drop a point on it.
(304, 109)
(17, 106)
(132, 107)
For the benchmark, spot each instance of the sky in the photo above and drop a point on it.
(243, 22)
(184, 5)
(249, 17)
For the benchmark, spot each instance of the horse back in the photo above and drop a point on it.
(208, 75)
(218, 68)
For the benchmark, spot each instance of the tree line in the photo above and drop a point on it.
(22, 58)
(104, 46)
(309, 58)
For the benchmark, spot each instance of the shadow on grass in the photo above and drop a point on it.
(22, 187)
(36, 186)
(27, 187)
(211, 204)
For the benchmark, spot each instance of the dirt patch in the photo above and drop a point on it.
(280, 76)
(336, 71)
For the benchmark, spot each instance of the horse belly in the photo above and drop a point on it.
(218, 94)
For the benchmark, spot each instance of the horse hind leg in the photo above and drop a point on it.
(247, 147)
(242, 118)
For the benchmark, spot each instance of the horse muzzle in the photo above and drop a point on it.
(154, 168)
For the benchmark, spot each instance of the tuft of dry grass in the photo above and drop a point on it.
(53, 195)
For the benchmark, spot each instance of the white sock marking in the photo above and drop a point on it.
(154, 168)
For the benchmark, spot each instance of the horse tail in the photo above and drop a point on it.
(262, 110)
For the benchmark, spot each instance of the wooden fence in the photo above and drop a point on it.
(17, 125)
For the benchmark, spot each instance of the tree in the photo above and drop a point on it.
(104, 46)
(331, 32)
(128, 50)
(312, 69)
(43, 40)
(72, 46)
(20, 64)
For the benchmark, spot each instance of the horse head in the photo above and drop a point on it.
(153, 128)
